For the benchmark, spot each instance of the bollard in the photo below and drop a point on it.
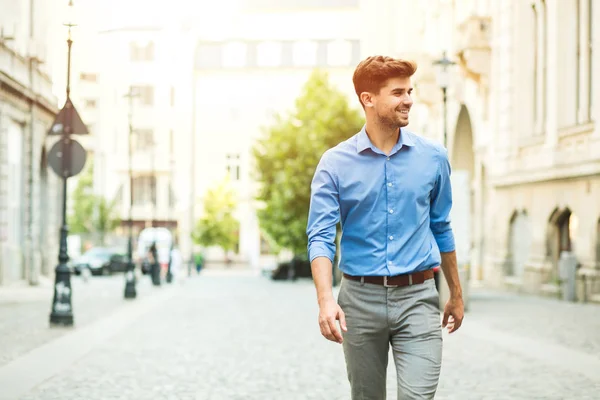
(567, 270)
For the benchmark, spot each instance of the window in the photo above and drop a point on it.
(143, 140)
(590, 45)
(88, 77)
(233, 166)
(15, 164)
(539, 38)
(583, 72)
(144, 190)
(339, 53)
(234, 55)
(141, 51)
(269, 54)
(145, 94)
(208, 55)
(305, 54)
(533, 25)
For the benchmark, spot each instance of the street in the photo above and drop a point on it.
(236, 335)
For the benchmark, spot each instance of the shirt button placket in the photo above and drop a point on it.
(390, 212)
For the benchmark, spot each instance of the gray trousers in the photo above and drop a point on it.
(408, 319)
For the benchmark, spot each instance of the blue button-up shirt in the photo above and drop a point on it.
(394, 210)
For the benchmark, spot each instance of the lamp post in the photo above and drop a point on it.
(443, 80)
(67, 158)
(130, 292)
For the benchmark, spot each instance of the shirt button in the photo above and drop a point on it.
(388, 159)
(389, 263)
(390, 184)
(391, 238)
(391, 211)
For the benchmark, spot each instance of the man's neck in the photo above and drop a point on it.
(383, 137)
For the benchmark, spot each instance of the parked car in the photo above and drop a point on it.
(100, 261)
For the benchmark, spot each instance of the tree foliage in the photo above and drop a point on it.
(91, 213)
(287, 156)
(218, 226)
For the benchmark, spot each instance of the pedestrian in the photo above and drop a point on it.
(390, 189)
(154, 265)
(199, 261)
(176, 264)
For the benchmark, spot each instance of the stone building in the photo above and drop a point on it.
(522, 132)
(30, 196)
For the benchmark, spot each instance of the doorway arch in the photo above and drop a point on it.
(462, 159)
(519, 243)
(559, 237)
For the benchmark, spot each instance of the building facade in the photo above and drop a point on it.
(522, 133)
(246, 72)
(130, 81)
(30, 196)
(546, 177)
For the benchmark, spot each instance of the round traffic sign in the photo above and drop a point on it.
(67, 157)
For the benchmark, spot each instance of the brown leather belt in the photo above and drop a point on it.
(395, 281)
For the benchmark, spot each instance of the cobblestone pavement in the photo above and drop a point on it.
(25, 313)
(246, 337)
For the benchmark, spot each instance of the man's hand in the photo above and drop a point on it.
(454, 312)
(329, 312)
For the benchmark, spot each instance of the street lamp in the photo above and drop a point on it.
(67, 159)
(443, 80)
(130, 292)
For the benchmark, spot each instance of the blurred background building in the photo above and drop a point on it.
(519, 117)
(249, 71)
(29, 193)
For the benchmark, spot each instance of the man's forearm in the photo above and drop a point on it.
(321, 271)
(450, 269)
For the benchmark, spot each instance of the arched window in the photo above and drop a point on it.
(519, 243)
(564, 231)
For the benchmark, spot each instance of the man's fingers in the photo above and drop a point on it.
(456, 324)
(335, 332)
(326, 331)
(342, 318)
(445, 320)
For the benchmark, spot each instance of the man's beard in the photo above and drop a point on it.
(391, 122)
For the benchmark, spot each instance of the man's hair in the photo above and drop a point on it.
(371, 73)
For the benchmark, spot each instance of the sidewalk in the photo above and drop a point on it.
(25, 310)
(22, 292)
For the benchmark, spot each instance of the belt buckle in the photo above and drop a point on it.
(385, 280)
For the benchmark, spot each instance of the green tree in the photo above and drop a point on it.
(287, 156)
(218, 226)
(92, 214)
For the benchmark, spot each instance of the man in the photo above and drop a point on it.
(390, 189)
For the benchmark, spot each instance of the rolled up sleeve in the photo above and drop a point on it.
(441, 204)
(324, 212)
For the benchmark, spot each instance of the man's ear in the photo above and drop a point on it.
(367, 99)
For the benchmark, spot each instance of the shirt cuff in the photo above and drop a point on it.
(319, 249)
(445, 241)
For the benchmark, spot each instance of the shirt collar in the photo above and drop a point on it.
(363, 142)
